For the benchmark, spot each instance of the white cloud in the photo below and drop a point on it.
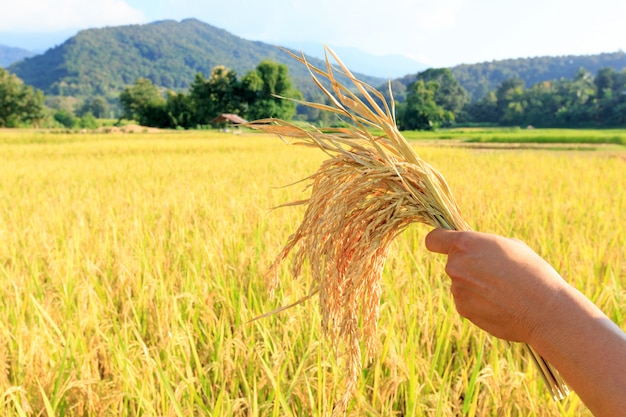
(56, 15)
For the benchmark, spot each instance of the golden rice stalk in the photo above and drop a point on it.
(368, 191)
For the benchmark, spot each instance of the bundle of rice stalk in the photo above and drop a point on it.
(368, 191)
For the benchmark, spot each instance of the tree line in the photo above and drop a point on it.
(254, 96)
(481, 78)
(435, 99)
(22, 105)
(19, 103)
(584, 101)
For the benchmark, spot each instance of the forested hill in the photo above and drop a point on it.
(479, 79)
(9, 55)
(482, 78)
(102, 62)
(169, 53)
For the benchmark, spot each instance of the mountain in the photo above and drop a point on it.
(9, 55)
(169, 53)
(387, 66)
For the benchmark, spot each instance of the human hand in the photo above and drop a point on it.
(499, 284)
(504, 287)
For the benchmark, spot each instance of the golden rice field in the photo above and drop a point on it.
(130, 264)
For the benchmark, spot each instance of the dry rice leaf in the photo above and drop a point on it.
(368, 191)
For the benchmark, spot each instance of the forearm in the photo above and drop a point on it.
(505, 288)
(588, 350)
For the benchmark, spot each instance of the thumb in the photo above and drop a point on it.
(440, 240)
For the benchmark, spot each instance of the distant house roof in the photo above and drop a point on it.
(229, 118)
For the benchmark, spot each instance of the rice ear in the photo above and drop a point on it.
(368, 191)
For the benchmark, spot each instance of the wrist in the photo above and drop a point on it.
(554, 323)
(567, 319)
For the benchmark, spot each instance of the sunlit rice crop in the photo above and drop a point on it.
(130, 263)
(368, 191)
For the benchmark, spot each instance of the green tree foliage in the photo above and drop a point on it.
(480, 79)
(253, 97)
(420, 111)
(261, 88)
(432, 101)
(179, 110)
(98, 106)
(484, 110)
(221, 93)
(604, 82)
(141, 101)
(449, 94)
(63, 103)
(66, 118)
(19, 103)
(510, 100)
(611, 97)
(88, 121)
(578, 102)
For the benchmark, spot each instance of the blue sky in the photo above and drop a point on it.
(434, 32)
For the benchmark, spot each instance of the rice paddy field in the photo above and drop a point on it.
(130, 265)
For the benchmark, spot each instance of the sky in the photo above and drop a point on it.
(438, 33)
